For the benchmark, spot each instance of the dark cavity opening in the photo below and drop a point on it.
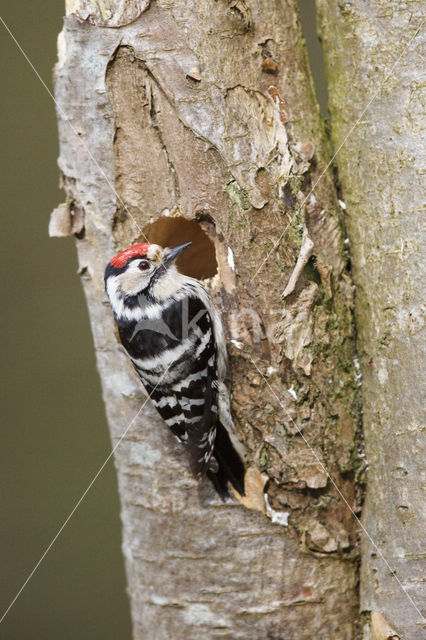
(198, 260)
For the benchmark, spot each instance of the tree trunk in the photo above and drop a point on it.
(375, 48)
(172, 112)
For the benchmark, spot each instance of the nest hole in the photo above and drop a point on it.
(198, 260)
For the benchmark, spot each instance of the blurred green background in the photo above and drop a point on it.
(54, 432)
(54, 435)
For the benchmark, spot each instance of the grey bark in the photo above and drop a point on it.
(379, 47)
(206, 110)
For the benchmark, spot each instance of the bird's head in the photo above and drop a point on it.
(143, 269)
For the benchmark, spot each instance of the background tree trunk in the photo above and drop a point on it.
(206, 111)
(370, 48)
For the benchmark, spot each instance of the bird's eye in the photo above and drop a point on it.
(144, 265)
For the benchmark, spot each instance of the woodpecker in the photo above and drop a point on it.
(173, 335)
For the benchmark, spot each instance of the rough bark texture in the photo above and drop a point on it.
(206, 110)
(380, 169)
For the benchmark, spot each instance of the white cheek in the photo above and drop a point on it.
(134, 280)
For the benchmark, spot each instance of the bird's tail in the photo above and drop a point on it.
(229, 463)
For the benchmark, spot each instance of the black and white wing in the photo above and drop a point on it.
(183, 387)
(182, 382)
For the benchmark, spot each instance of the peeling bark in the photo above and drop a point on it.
(376, 48)
(206, 111)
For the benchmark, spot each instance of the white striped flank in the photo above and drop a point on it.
(203, 343)
(193, 420)
(206, 457)
(193, 377)
(166, 401)
(166, 358)
(193, 401)
(175, 420)
(180, 418)
(154, 378)
(209, 437)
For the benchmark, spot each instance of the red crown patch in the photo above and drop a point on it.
(137, 251)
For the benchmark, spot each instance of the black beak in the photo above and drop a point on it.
(174, 253)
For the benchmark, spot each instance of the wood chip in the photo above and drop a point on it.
(194, 74)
